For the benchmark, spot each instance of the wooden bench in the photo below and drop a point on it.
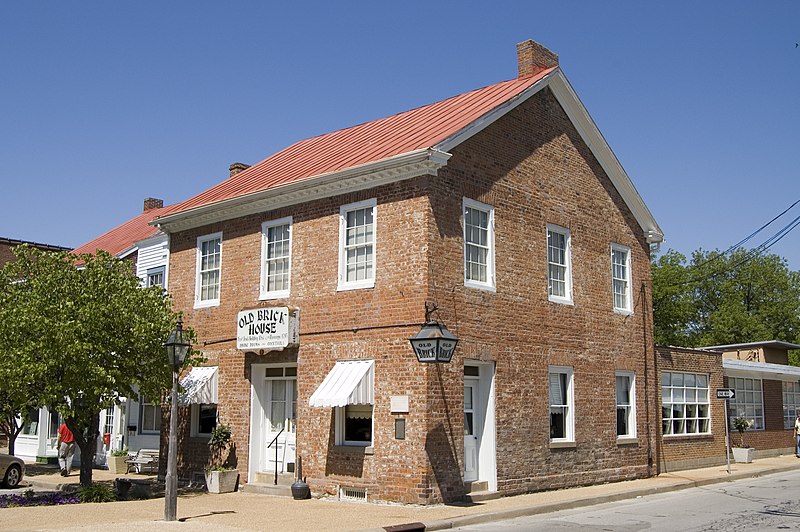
(144, 459)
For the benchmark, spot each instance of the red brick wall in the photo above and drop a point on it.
(691, 451)
(532, 167)
(774, 439)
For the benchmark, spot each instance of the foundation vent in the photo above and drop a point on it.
(349, 493)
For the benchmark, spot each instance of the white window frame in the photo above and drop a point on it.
(791, 402)
(340, 423)
(747, 402)
(199, 303)
(490, 283)
(264, 292)
(195, 422)
(628, 307)
(146, 403)
(631, 406)
(569, 420)
(567, 297)
(155, 271)
(677, 396)
(343, 210)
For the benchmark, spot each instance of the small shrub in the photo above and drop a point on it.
(29, 498)
(741, 424)
(120, 452)
(96, 493)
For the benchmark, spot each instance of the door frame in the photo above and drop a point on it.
(258, 404)
(485, 422)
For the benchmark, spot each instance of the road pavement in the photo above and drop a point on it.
(248, 511)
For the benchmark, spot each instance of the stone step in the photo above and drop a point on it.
(476, 485)
(281, 490)
(268, 477)
(477, 496)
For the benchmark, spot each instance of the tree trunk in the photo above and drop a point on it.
(86, 439)
(11, 430)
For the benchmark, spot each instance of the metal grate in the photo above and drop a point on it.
(350, 493)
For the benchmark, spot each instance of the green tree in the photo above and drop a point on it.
(724, 298)
(84, 331)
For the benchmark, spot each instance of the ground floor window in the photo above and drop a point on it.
(354, 425)
(149, 417)
(31, 427)
(685, 406)
(204, 419)
(562, 421)
(748, 402)
(791, 403)
(626, 412)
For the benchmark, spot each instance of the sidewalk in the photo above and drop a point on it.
(246, 511)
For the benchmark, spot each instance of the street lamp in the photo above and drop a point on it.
(177, 347)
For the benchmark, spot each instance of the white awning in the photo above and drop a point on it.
(760, 370)
(199, 386)
(348, 383)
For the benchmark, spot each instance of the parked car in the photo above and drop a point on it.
(11, 470)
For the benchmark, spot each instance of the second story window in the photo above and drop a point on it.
(478, 245)
(275, 258)
(621, 278)
(209, 269)
(155, 277)
(357, 245)
(559, 275)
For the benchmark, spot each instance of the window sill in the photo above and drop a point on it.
(356, 449)
(563, 445)
(561, 301)
(355, 286)
(481, 286)
(206, 304)
(273, 295)
(675, 437)
(627, 440)
(623, 312)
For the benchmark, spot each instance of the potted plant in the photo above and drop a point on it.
(116, 462)
(221, 477)
(742, 454)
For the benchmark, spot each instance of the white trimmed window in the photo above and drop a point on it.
(149, 417)
(209, 269)
(559, 265)
(791, 403)
(155, 276)
(562, 406)
(204, 419)
(357, 245)
(748, 401)
(626, 405)
(354, 425)
(276, 246)
(621, 278)
(685, 407)
(478, 245)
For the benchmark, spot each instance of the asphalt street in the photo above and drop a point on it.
(765, 503)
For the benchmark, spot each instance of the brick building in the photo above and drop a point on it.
(8, 244)
(502, 208)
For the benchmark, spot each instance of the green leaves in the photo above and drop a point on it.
(721, 299)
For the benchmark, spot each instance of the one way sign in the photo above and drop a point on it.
(726, 393)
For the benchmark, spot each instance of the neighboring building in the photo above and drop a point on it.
(503, 208)
(136, 422)
(8, 244)
(692, 418)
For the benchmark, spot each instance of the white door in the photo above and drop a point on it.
(280, 411)
(471, 428)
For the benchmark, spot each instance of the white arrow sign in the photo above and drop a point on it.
(725, 393)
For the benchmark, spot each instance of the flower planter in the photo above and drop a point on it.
(743, 455)
(222, 481)
(117, 465)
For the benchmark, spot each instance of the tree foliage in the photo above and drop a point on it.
(717, 299)
(79, 333)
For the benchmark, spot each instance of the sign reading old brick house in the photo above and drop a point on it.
(266, 328)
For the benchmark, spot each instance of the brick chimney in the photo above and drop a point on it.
(152, 203)
(235, 168)
(532, 58)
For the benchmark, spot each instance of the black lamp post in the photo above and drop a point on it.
(434, 343)
(177, 347)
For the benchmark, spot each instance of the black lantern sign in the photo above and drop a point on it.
(434, 343)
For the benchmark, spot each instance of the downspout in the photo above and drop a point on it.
(650, 458)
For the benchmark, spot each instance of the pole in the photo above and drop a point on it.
(727, 438)
(171, 481)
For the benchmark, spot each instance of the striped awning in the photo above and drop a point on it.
(199, 386)
(350, 382)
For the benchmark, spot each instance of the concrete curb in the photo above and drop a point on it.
(502, 515)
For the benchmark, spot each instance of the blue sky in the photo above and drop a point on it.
(105, 103)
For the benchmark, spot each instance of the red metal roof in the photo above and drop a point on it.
(123, 237)
(406, 132)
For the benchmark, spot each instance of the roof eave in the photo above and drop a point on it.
(426, 161)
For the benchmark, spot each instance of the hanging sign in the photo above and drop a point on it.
(272, 328)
